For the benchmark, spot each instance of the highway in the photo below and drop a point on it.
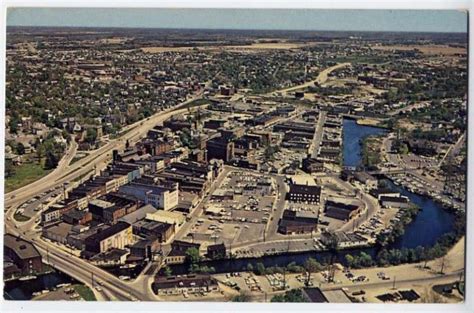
(453, 149)
(320, 79)
(112, 287)
(96, 160)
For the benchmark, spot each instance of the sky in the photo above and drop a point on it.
(272, 19)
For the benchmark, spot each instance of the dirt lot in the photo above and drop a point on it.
(425, 49)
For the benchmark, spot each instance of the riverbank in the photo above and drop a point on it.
(26, 290)
(401, 277)
(430, 224)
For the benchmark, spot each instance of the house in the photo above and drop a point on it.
(116, 236)
(23, 254)
(341, 211)
(152, 229)
(215, 124)
(76, 216)
(219, 148)
(216, 251)
(144, 249)
(57, 233)
(317, 295)
(160, 197)
(304, 193)
(110, 257)
(400, 202)
(184, 284)
(343, 239)
(178, 251)
(51, 215)
(380, 192)
(368, 180)
(138, 214)
(173, 218)
(293, 222)
(311, 165)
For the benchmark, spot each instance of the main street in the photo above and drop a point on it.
(318, 134)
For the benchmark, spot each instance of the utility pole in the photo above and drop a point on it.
(394, 281)
(64, 191)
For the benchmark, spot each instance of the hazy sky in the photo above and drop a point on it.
(375, 20)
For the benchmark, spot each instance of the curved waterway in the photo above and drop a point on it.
(23, 290)
(353, 134)
(431, 222)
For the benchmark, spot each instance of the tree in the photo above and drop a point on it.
(293, 268)
(349, 259)
(293, 295)
(192, 255)
(249, 267)
(51, 160)
(39, 149)
(9, 168)
(13, 125)
(241, 297)
(365, 259)
(311, 265)
(91, 135)
(260, 270)
(442, 263)
(66, 135)
(20, 149)
(167, 271)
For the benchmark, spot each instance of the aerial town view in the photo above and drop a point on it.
(235, 164)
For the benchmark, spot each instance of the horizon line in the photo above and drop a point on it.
(242, 29)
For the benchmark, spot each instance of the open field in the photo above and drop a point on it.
(425, 49)
(253, 46)
(24, 175)
(85, 292)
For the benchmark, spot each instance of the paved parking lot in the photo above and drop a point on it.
(34, 205)
(237, 211)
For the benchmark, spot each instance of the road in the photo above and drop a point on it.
(272, 227)
(318, 134)
(96, 160)
(409, 108)
(454, 149)
(112, 287)
(321, 79)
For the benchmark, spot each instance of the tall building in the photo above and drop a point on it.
(218, 148)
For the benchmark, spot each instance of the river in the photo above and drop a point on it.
(23, 290)
(430, 223)
(353, 134)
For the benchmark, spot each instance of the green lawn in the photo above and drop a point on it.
(76, 158)
(20, 217)
(85, 292)
(24, 175)
(197, 102)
